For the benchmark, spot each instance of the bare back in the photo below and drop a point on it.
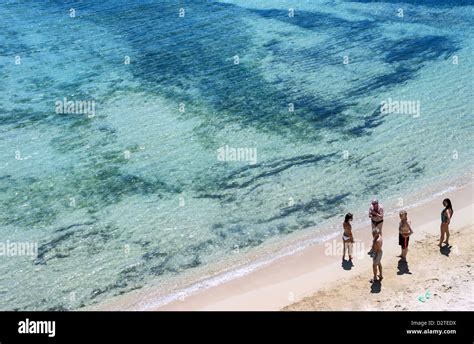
(378, 243)
(347, 229)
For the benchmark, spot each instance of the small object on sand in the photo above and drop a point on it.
(420, 298)
(427, 295)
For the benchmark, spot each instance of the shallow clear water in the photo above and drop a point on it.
(137, 192)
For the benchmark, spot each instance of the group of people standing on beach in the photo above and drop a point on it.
(376, 214)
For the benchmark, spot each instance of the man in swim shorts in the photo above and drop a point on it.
(404, 232)
(376, 215)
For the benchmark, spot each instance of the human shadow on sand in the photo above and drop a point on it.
(347, 264)
(445, 250)
(376, 287)
(403, 267)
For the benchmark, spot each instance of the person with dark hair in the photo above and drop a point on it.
(404, 232)
(446, 216)
(347, 238)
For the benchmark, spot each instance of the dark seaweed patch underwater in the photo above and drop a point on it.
(137, 194)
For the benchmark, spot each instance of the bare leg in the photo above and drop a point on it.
(404, 253)
(447, 235)
(374, 267)
(441, 239)
(380, 270)
(343, 250)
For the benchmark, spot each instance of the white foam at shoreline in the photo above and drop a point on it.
(233, 274)
(227, 276)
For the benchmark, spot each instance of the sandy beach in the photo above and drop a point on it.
(315, 279)
(201, 155)
(430, 281)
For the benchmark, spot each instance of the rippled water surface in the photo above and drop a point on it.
(138, 192)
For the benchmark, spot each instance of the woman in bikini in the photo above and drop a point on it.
(347, 238)
(404, 230)
(446, 216)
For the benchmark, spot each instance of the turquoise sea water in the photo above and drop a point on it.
(138, 193)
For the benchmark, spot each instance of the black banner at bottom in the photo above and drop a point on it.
(65, 327)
